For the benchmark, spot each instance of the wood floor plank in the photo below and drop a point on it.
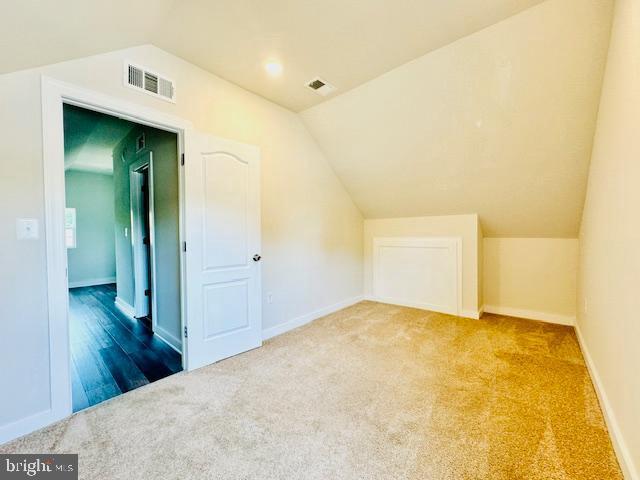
(151, 364)
(111, 352)
(123, 369)
(101, 394)
(92, 370)
(141, 332)
(78, 395)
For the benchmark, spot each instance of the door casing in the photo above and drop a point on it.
(54, 94)
(140, 266)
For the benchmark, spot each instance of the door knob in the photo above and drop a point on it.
(256, 258)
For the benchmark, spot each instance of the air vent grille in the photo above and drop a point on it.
(135, 76)
(149, 82)
(166, 88)
(316, 84)
(321, 87)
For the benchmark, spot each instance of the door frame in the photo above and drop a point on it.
(54, 94)
(135, 182)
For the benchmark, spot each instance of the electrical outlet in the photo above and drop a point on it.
(269, 297)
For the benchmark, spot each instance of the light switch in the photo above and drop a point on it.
(27, 228)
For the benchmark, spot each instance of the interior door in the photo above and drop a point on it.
(222, 258)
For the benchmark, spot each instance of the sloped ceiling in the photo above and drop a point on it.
(90, 138)
(345, 41)
(499, 123)
(496, 121)
(40, 32)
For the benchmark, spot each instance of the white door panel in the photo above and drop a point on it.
(418, 272)
(226, 187)
(222, 190)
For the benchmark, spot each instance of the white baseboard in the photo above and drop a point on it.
(629, 470)
(420, 306)
(463, 313)
(309, 317)
(26, 425)
(92, 282)
(168, 338)
(471, 314)
(531, 315)
(125, 308)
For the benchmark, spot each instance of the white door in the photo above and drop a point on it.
(222, 231)
(419, 272)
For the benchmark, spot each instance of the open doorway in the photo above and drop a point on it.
(123, 254)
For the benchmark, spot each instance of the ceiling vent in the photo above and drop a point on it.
(149, 82)
(321, 87)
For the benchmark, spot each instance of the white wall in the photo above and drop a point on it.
(311, 230)
(531, 278)
(93, 261)
(499, 123)
(609, 266)
(166, 206)
(464, 226)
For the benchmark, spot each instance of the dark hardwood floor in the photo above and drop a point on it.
(111, 352)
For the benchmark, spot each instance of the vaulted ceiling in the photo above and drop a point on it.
(90, 138)
(347, 42)
(442, 107)
(499, 123)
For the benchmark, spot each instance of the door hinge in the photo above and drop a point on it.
(182, 159)
(184, 246)
(147, 293)
(185, 332)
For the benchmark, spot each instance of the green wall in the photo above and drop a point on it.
(93, 259)
(165, 188)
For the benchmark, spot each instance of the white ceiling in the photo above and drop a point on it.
(499, 123)
(345, 42)
(486, 107)
(40, 32)
(90, 138)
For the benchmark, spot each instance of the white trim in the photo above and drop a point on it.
(125, 307)
(26, 425)
(474, 314)
(531, 315)
(281, 328)
(465, 313)
(54, 94)
(625, 459)
(168, 338)
(90, 282)
(137, 246)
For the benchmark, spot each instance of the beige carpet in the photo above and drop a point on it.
(371, 392)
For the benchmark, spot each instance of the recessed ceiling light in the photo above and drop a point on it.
(273, 68)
